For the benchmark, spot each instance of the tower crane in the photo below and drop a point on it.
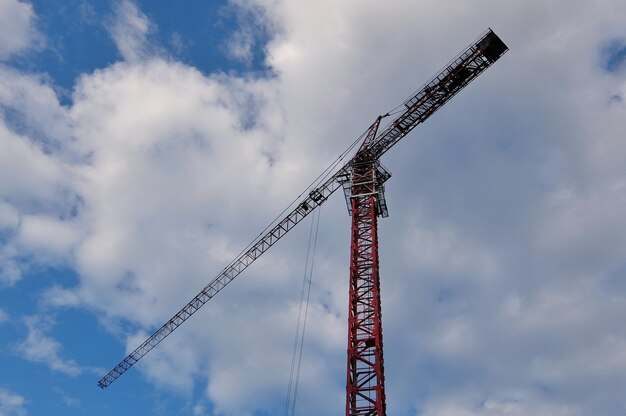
(362, 179)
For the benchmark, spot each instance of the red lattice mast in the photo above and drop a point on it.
(365, 385)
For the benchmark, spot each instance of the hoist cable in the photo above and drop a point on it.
(306, 312)
(298, 344)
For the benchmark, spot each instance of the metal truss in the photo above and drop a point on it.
(365, 386)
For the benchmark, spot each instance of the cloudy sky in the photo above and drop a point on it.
(144, 143)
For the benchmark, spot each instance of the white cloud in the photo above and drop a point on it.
(69, 401)
(10, 270)
(36, 147)
(514, 404)
(502, 269)
(240, 46)
(31, 178)
(3, 316)
(148, 127)
(253, 27)
(47, 236)
(199, 410)
(130, 29)
(11, 404)
(35, 111)
(18, 32)
(9, 217)
(58, 296)
(41, 348)
(27, 174)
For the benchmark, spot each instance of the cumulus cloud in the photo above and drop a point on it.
(18, 32)
(502, 261)
(9, 221)
(9, 217)
(240, 46)
(130, 29)
(28, 174)
(36, 149)
(29, 177)
(254, 27)
(69, 401)
(516, 403)
(11, 403)
(10, 269)
(164, 123)
(47, 237)
(31, 107)
(40, 347)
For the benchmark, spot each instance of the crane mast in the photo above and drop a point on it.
(362, 179)
(365, 382)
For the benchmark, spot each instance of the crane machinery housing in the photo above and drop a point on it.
(362, 179)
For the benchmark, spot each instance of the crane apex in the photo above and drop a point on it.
(492, 46)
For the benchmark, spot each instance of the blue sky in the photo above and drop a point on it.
(144, 143)
(77, 40)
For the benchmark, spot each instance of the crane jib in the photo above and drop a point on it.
(433, 95)
(440, 89)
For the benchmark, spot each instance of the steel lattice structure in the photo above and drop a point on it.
(365, 384)
(362, 179)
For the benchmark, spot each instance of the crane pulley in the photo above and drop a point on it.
(362, 179)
